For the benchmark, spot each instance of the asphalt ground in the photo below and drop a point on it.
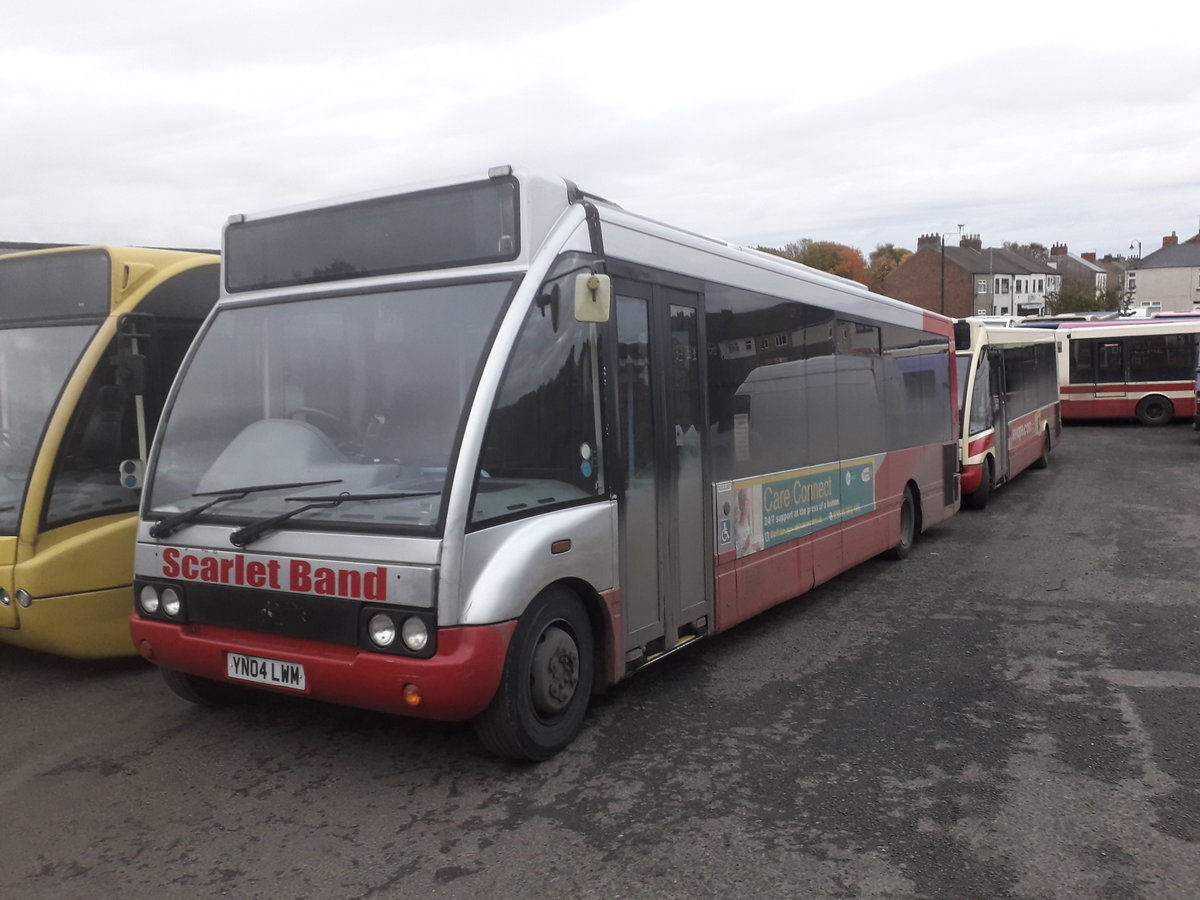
(1011, 712)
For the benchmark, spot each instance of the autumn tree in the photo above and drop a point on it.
(1037, 251)
(828, 256)
(885, 258)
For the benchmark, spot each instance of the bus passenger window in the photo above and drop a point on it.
(102, 432)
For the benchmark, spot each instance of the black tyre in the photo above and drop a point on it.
(979, 499)
(1044, 460)
(1155, 410)
(201, 691)
(908, 527)
(546, 683)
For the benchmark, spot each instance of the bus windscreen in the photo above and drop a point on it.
(55, 286)
(464, 225)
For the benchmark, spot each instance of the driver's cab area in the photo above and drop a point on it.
(363, 392)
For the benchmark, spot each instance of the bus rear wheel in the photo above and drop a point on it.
(546, 682)
(978, 498)
(1044, 460)
(908, 527)
(1154, 410)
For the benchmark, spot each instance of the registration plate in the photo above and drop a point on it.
(274, 672)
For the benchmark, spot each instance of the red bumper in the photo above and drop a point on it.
(455, 684)
(972, 477)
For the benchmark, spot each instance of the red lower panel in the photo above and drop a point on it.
(747, 586)
(762, 580)
(456, 684)
(972, 477)
(614, 663)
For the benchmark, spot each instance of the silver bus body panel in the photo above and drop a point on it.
(506, 566)
(406, 585)
(573, 233)
(634, 239)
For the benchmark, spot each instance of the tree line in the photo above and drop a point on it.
(840, 259)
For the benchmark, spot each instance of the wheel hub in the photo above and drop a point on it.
(555, 672)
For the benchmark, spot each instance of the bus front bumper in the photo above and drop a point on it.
(90, 625)
(972, 477)
(456, 684)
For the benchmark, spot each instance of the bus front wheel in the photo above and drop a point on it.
(546, 682)
(1154, 410)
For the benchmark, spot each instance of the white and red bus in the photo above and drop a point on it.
(1196, 414)
(1008, 401)
(478, 449)
(1141, 369)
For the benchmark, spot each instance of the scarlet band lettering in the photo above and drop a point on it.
(301, 576)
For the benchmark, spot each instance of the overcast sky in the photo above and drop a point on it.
(150, 123)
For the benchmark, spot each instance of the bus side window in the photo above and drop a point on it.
(543, 428)
(102, 432)
(1082, 366)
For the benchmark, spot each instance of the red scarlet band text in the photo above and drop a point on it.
(298, 575)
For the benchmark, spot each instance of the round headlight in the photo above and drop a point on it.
(382, 630)
(5, 600)
(414, 634)
(171, 601)
(148, 599)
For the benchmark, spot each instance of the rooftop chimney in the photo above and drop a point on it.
(1090, 256)
(1058, 250)
(932, 241)
(971, 242)
(1170, 240)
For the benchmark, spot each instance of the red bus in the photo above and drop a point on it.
(1143, 370)
(1009, 406)
(477, 450)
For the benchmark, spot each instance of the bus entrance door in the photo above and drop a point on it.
(664, 560)
(998, 389)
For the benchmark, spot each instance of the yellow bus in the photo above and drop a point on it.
(90, 339)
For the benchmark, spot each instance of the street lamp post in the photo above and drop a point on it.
(942, 304)
(1127, 299)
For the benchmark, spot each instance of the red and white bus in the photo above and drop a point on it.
(478, 449)
(1135, 369)
(1008, 404)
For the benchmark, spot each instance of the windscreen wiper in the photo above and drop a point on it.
(164, 527)
(255, 530)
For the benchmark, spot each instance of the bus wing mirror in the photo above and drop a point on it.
(593, 297)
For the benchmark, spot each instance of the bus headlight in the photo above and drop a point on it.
(24, 599)
(382, 630)
(172, 603)
(148, 599)
(414, 634)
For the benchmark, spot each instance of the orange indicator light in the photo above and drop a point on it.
(412, 695)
